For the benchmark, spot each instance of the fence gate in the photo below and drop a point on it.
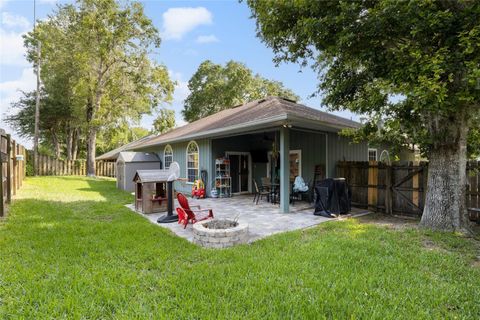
(401, 187)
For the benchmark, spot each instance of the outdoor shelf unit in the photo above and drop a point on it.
(223, 181)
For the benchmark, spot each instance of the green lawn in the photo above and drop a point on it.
(70, 249)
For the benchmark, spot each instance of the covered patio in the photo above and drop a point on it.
(263, 219)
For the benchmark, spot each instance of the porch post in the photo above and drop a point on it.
(285, 170)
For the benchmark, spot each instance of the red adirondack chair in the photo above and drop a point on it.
(185, 213)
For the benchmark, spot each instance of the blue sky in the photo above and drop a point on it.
(192, 31)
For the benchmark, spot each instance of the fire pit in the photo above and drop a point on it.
(220, 233)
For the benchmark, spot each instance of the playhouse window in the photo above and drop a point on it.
(167, 156)
(192, 161)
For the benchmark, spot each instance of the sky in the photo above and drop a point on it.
(191, 32)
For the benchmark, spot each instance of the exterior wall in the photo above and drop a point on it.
(341, 148)
(180, 156)
(313, 150)
(317, 148)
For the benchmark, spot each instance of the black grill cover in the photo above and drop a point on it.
(333, 197)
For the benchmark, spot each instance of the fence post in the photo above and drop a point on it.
(388, 189)
(372, 184)
(2, 200)
(9, 169)
(415, 194)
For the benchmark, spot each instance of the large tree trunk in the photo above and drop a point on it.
(445, 203)
(91, 145)
(56, 145)
(69, 143)
(75, 139)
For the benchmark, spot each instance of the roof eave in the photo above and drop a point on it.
(251, 125)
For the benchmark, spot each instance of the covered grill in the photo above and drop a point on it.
(333, 197)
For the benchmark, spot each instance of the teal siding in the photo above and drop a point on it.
(341, 148)
(317, 149)
(313, 150)
(180, 156)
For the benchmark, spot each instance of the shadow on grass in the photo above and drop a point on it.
(95, 258)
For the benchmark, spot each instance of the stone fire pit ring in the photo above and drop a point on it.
(205, 235)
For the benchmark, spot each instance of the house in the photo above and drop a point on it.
(272, 137)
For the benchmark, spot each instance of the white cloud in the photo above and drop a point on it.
(207, 39)
(179, 21)
(12, 51)
(10, 90)
(15, 21)
(3, 3)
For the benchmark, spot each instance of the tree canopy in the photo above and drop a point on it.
(413, 66)
(99, 51)
(214, 88)
(164, 122)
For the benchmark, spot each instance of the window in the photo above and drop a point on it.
(192, 162)
(167, 156)
(372, 154)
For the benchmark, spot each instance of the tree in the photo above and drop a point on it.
(411, 65)
(164, 122)
(106, 45)
(53, 119)
(117, 136)
(214, 88)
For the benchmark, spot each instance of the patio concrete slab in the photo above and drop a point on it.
(263, 220)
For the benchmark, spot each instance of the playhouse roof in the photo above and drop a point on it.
(151, 176)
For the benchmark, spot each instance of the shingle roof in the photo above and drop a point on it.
(113, 154)
(264, 111)
(151, 175)
(128, 156)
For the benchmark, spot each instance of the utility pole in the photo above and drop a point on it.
(37, 112)
(37, 103)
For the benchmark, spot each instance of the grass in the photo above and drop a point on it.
(70, 249)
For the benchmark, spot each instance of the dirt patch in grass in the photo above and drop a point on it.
(391, 222)
(432, 246)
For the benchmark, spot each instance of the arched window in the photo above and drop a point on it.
(192, 161)
(167, 156)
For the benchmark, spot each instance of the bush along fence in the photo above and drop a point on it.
(48, 166)
(400, 188)
(13, 169)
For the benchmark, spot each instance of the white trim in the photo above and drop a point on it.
(186, 161)
(250, 176)
(299, 151)
(164, 149)
(368, 154)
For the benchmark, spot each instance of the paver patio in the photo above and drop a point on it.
(263, 220)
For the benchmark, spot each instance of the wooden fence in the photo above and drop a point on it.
(12, 171)
(400, 188)
(48, 166)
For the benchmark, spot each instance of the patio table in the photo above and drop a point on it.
(274, 195)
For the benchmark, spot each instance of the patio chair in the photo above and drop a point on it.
(186, 214)
(265, 183)
(299, 189)
(259, 192)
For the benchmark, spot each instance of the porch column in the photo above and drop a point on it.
(285, 170)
